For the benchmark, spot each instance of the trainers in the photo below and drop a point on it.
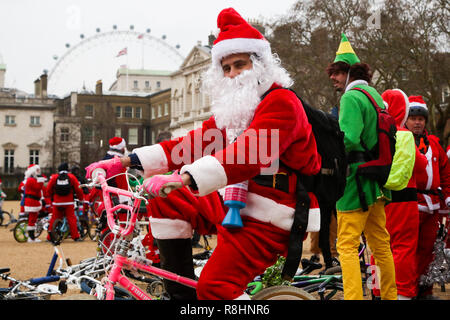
(314, 258)
(35, 240)
(335, 262)
(77, 239)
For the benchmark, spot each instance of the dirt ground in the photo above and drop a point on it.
(27, 260)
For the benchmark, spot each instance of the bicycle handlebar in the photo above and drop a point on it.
(99, 178)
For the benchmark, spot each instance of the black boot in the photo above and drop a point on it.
(31, 234)
(176, 257)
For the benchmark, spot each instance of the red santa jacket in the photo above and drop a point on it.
(279, 122)
(33, 194)
(58, 200)
(437, 174)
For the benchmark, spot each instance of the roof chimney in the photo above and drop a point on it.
(37, 88)
(99, 87)
(2, 74)
(211, 39)
(44, 86)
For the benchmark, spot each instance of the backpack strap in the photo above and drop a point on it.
(300, 222)
(362, 196)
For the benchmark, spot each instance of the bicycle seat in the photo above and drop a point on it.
(309, 265)
(4, 270)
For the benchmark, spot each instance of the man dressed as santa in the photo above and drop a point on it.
(225, 151)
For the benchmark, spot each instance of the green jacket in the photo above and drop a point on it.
(358, 120)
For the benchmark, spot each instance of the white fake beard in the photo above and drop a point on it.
(234, 102)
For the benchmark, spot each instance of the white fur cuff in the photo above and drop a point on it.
(208, 173)
(153, 159)
(313, 220)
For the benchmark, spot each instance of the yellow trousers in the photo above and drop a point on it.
(373, 224)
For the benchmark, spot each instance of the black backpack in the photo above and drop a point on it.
(328, 184)
(63, 186)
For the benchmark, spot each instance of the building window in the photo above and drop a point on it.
(147, 84)
(138, 112)
(10, 120)
(144, 136)
(89, 111)
(153, 136)
(88, 135)
(118, 132)
(135, 84)
(118, 112)
(35, 121)
(64, 135)
(64, 157)
(34, 156)
(153, 112)
(159, 110)
(133, 136)
(166, 109)
(9, 161)
(158, 84)
(128, 112)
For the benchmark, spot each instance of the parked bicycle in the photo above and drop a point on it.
(20, 232)
(6, 218)
(60, 229)
(31, 289)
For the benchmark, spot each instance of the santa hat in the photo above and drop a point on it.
(237, 36)
(117, 143)
(345, 52)
(397, 105)
(417, 107)
(32, 170)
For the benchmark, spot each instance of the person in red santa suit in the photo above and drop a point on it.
(433, 184)
(402, 214)
(63, 201)
(216, 155)
(34, 185)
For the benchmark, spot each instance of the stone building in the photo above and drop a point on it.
(26, 124)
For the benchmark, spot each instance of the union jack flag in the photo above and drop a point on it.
(122, 52)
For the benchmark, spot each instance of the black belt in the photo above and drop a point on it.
(357, 156)
(405, 195)
(32, 197)
(436, 192)
(279, 181)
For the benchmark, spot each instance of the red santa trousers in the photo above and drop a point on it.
(59, 212)
(402, 223)
(428, 228)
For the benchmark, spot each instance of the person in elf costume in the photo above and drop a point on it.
(358, 121)
(402, 214)
(242, 69)
(433, 186)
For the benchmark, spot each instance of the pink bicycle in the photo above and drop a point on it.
(125, 235)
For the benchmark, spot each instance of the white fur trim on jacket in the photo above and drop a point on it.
(170, 228)
(281, 216)
(32, 209)
(208, 173)
(238, 45)
(153, 159)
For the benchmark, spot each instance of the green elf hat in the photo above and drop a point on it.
(345, 52)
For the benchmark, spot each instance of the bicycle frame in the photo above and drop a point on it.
(121, 261)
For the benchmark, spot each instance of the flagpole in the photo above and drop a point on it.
(127, 70)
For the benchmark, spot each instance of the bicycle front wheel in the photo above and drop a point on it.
(84, 228)
(283, 293)
(56, 234)
(6, 218)
(20, 231)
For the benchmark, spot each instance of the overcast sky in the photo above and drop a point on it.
(32, 32)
